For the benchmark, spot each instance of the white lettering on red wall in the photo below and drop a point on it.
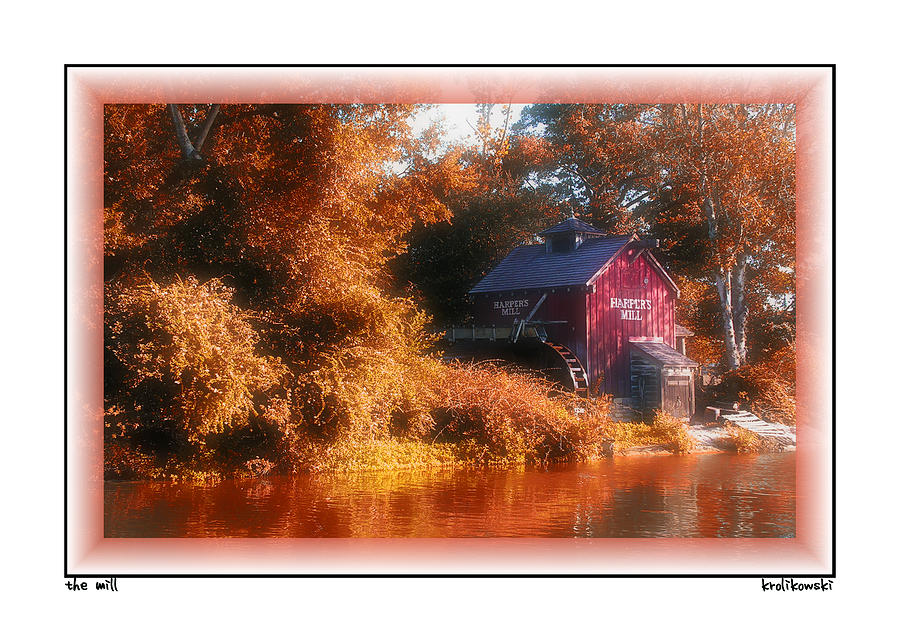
(630, 309)
(510, 308)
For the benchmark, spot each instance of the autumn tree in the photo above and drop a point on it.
(494, 208)
(715, 182)
(732, 168)
(239, 234)
(249, 317)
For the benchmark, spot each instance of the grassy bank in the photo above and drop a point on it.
(665, 431)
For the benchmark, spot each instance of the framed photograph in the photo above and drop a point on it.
(449, 321)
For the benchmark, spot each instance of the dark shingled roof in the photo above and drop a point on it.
(664, 354)
(531, 266)
(571, 224)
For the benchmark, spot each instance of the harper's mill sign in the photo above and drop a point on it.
(630, 309)
(510, 307)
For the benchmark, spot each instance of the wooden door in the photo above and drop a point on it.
(677, 395)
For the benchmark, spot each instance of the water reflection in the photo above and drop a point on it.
(692, 496)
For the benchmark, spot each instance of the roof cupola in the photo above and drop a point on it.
(568, 235)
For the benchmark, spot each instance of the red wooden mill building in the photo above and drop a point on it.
(601, 306)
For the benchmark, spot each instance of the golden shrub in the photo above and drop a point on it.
(747, 441)
(768, 387)
(665, 430)
(189, 338)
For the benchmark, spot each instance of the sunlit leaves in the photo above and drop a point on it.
(248, 318)
(191, 337)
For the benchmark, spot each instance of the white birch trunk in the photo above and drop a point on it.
(740, 311)
(730, 287)
(730, 280)
(726, 307)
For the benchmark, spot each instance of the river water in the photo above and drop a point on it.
(703, 495)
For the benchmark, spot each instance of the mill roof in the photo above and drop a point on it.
(531, 266)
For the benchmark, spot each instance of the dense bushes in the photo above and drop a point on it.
(381, 413)
(191, 395)
(496, 417)
(187, 337)
(182, 373)
(768, 387)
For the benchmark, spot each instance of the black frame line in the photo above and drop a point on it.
(833, 67)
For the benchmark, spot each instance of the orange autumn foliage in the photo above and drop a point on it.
(188, 337)
(768, 387)
(716, 183)
(250, 328)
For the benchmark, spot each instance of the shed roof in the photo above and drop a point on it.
(571, 224)
(663, 354)
(531, 266)
(681, 331)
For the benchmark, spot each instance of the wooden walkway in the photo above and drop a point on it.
(778, 433)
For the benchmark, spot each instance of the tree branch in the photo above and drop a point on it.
(572, 170)
(505, 127)
(641, 196)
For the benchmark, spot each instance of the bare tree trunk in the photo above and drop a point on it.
(730, 286)
(181, 135)
(729, 279)
(190, 151)
(207, 125)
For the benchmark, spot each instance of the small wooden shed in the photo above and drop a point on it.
(662, 377)
(603, 303)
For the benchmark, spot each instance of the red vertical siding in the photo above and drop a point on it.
(595, 331)
(609, 332)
